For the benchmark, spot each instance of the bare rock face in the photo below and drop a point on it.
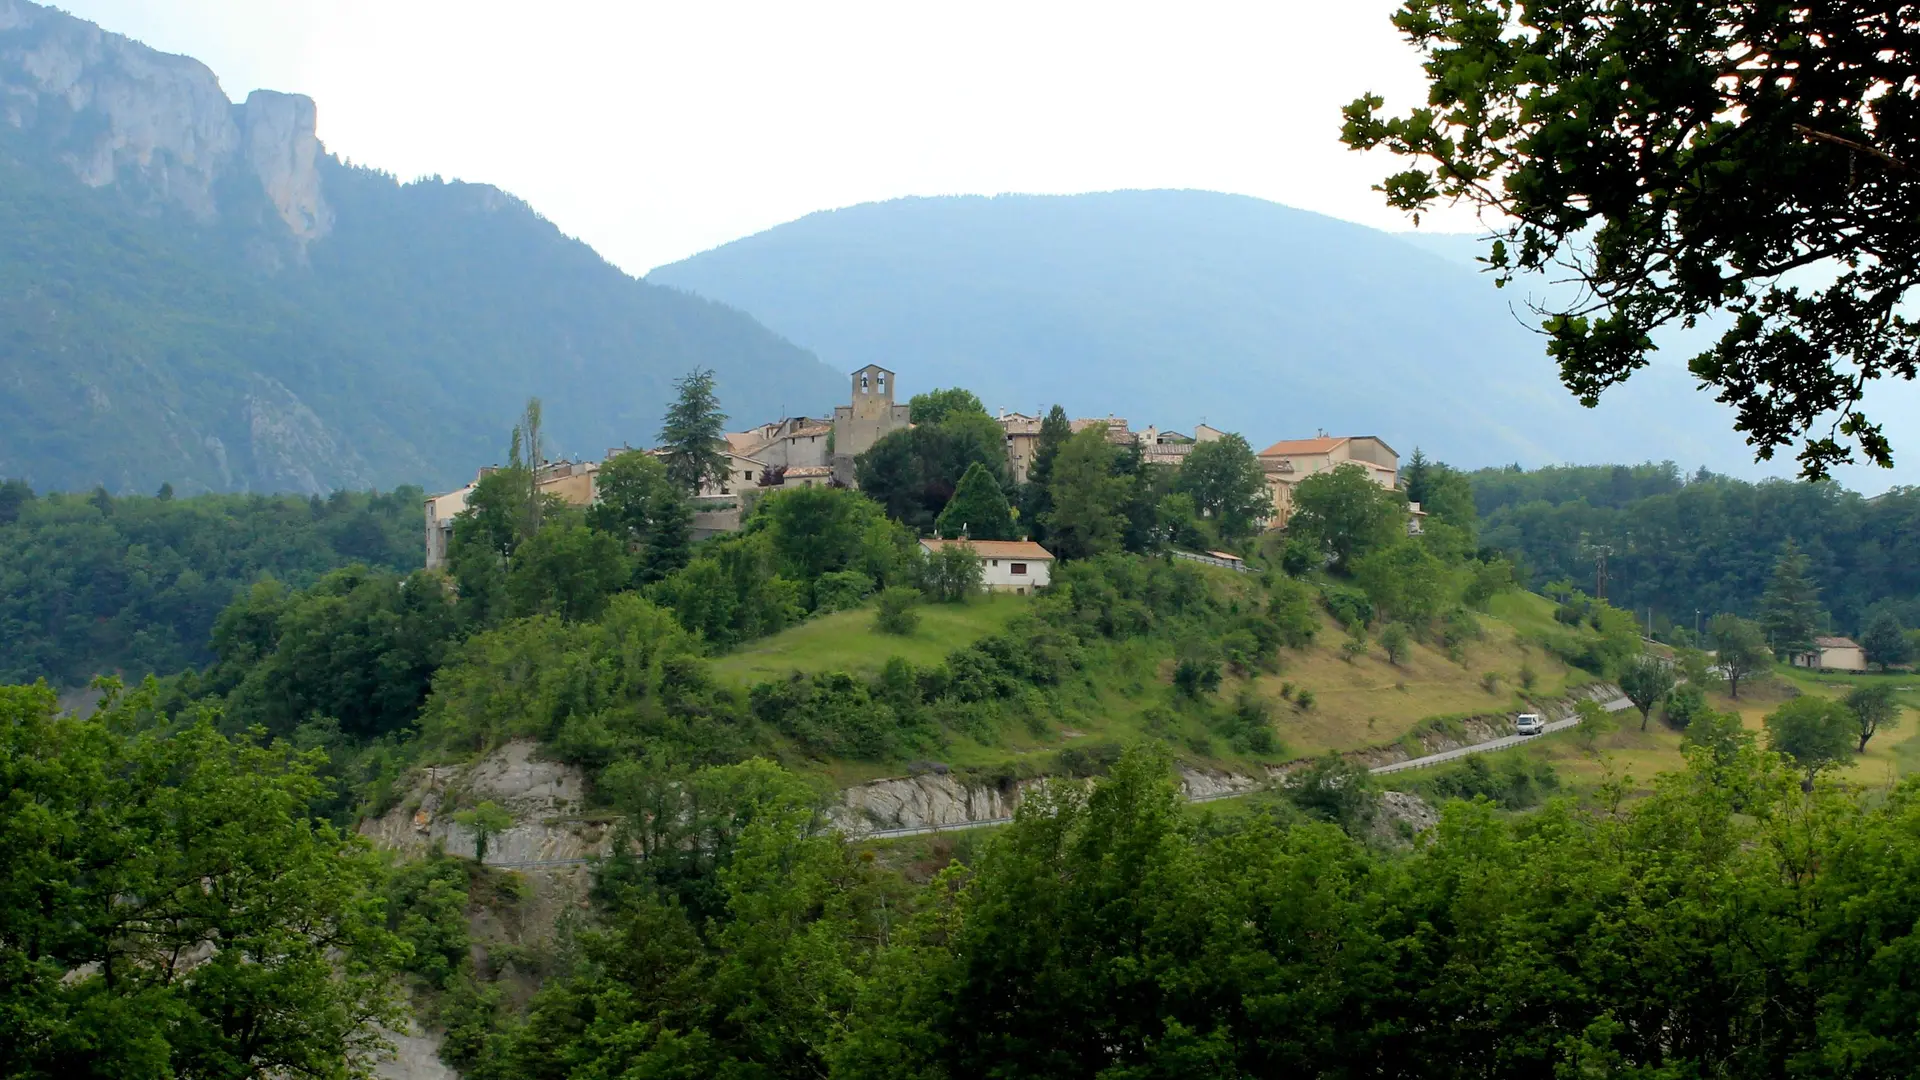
(121, 114)
(288, 441)
(544, 798)
(935, 800)
(1200, 785)
(284, 152)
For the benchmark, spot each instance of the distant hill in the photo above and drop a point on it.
(1173, 307)
(196, 292)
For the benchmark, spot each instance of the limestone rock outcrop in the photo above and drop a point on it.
(544, 798)
(157, 126)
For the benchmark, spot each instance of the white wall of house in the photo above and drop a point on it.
(1015, 575)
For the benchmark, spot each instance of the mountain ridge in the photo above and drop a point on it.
(1179, 306)
(199, 293)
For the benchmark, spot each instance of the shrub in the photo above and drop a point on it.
(1528, 677)
(1397, 641)
(1349, 606)
(1303, 700)
(1249, 724)
(840, 590)
(1196, 676)
(1334, 789)
(1355, 645)
(1512, 782)
(1490, 682)
(1686, 704)
(895, 612)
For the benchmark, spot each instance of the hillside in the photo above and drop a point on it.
(1173, 307)
(196, 292)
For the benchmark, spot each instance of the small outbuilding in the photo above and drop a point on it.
(1015, 566)
(1833, 654)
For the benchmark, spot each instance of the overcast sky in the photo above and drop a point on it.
(657, 130)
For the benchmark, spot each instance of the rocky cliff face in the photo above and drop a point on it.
(160, 127)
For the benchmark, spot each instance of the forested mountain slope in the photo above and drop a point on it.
(197, 292)
(1173, 307)
(1681, 544)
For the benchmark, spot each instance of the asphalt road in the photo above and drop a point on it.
(1616, 705)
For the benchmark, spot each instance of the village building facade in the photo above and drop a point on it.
(1833, 654)
(1012, 566)
(870, 416)
(1290, 461)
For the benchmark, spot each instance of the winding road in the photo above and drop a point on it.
(1619, 704)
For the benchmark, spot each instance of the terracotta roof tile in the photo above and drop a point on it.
(995, 549)
(1303, 446)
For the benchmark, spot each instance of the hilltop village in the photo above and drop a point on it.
(803, 451)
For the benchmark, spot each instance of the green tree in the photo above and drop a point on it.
(1396, 642)
(14, 496)
(359, 647)
(525, 459)
(1740, 649)
(1035, 496)
(485, 821)
(1228, 486)
(1405, 580)
(123, 854)
(1345, 514)
(915, 472)
(978, 509)
(1694, 181)
(693, 432)
(935, 406)
(636, 501)
(567, 569)
(1790, 613)
(1596, 723)
(1816, 732)
(1885, 641)
(1648, 681)
(1686, 704)
(953, 573)
(894, 611)
(1335, 789)
(1874, 709)
(1416, 476)
(1088, 501)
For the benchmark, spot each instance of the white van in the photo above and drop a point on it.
(1529, 723)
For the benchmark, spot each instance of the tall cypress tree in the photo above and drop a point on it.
(1416, 476)
(978, 509)
(1036, 501)
(1790, 613)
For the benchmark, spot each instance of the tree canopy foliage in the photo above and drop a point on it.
(1344, 515)
(93, 584)
(693, 432)
(1709, 543)
(169, 906)
(1681, 160)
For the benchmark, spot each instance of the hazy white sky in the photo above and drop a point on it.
(656, 130)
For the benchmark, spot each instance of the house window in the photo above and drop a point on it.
(996, 562)
(1019, 569)
(724, 491)
(749, 474)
